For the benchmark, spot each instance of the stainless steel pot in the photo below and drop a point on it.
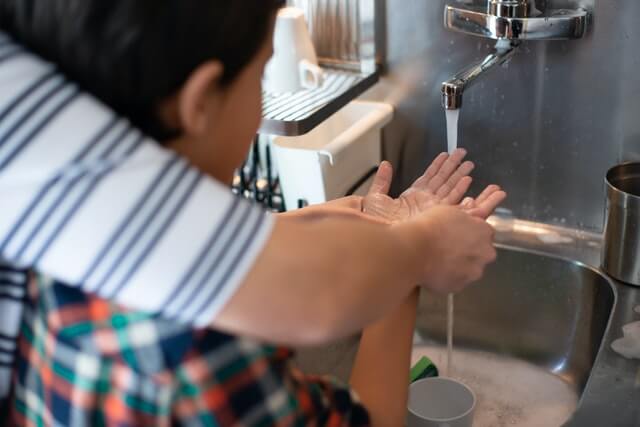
(621, 253)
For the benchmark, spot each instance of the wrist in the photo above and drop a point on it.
(414, 249)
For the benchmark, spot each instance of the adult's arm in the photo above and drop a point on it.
(327, 278)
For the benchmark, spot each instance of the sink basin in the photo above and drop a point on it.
(525, 339)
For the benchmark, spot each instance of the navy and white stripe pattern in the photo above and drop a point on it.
(88, 200)
(12, 296)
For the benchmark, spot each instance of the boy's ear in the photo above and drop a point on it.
(195, 100)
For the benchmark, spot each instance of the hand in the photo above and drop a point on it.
(445, 182)
(456, 247)
(485, 204)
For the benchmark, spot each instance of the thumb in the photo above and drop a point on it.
(382, 181)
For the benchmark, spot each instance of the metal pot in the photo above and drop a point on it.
(621, 251)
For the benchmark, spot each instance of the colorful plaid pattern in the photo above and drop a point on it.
(85, 362)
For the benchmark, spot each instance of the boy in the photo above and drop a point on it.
(110, 366)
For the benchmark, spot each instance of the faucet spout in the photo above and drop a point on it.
(453, 89)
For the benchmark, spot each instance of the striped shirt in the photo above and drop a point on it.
(89, 200)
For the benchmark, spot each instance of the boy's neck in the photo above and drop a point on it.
(200, 156)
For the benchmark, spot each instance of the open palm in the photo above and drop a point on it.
(445, 182)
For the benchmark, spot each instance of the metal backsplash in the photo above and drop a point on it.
(546, 127)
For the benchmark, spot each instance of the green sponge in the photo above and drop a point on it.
(425, 368)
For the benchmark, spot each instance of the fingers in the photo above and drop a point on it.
(468, 203)
(459, 190)
(431, 171)
(466, 249)
(382, 181)
(487, 192)
(448, 169)
(463, 171)
(485, 252)
(485, 208)
(444, 170)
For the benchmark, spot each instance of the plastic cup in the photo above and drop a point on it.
(440, 402)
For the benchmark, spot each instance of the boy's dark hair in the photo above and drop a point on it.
(132, 54)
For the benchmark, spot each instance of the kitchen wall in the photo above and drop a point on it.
(546, 127)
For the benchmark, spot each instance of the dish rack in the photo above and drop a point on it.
(344, 34)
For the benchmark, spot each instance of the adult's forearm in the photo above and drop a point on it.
(381, 372)
(317, 281)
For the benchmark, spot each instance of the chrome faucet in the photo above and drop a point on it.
(508, 22)
(453, 89)
(509, 8)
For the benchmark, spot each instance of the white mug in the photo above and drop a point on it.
(294, 65)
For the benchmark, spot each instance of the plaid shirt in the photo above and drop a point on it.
(85, 362)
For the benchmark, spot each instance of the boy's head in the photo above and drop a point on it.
(187, 72)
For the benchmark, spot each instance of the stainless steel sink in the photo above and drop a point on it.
(525, 339)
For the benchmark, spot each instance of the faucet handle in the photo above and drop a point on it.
(502, 19)
(509, 8)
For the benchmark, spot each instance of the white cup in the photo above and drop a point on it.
(440, 402)
(294, 65)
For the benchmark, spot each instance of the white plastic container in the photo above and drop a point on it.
(333, 159)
